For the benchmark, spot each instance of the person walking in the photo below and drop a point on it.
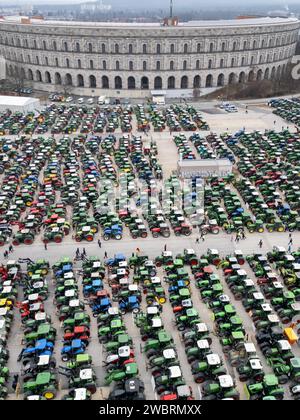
(289, 248)
(11, 248)
(260, 244)
(237, 237)
(99, 243)
(45, 246)
(15, 382)
(202, 236)
(84, 252)
(243, 234)
(105, 254)
(197, 240)
(165, 247)
(77, 252)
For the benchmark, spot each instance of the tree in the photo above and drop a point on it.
(196, 93)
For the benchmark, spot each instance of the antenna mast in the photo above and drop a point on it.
(171, 9)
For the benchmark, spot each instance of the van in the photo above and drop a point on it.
(101, 100)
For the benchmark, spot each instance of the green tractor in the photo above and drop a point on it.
(45, 385)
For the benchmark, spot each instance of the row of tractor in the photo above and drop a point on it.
(10, 276)
(267, 318)
(288, 109)
(75, 322)
(206, 365)
(38, 365)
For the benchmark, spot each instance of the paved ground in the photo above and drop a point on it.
(259, 117)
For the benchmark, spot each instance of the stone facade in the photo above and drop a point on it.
(129, 59)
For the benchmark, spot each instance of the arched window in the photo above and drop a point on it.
(117, 49)
(68, 80)
(79, 64)
(158, 82)
(222, 63)
(103, 48)
(245, 45)
(209, 64)
(77, 47)
(130, 49)
(211, 47)
(130, 65)
(185, 48)
(105, 82)
(171, 65)
(131, 82)
(46, 61)
(223, 46)
(209, 81)
(197, 64)
(44, 45)
(34, 44)
(90, 47)
(80, 81)
(57, 77)
(66, 46)
(38, 76)
(47, 77)
(145, 83)
(92, 80)
(91, 64)
(144, 49)
(184, 82)
(197, 82)
(234, 46)
(118, 82)
(56, 62)
(232, 62)
(117, 65)
(220, 81)
(104, 65)
(172, 49)
(144, 65)
(254, 45)
(30, 74)
(158, 49)
(54, 45)
(67, 63)
(171, 82)
(158, 65)
(252, 60)
(37, 60)
(184, 66)
(243, 61)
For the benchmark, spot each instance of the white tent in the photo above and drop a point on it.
(19, 103)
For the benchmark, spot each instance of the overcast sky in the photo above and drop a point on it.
(163, 3)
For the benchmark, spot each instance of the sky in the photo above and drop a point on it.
(162, 3)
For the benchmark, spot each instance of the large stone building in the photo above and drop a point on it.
(127, 59)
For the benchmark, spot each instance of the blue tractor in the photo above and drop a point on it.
(42, 348)
(113, 232)
(93, 288)
(129, 304)
(72, 349)
(114, 262)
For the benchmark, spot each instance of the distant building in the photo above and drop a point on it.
(95, 6)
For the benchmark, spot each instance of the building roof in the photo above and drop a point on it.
(261, 21)
(10, 101)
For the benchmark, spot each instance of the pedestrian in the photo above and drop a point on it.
(11, 248)
(15, 382)
(45, 245)
(202, 235)
(99, 243)
(197, 240)
(243, 234)
(290, 241)
(237, 237)
(138, 250)
(290, 235)
(77, 252)
(84, 252)
(260, 244)
(165, 247)
(105, 254)
(132, 254)
(289, 248)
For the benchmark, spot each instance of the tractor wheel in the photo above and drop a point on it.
(65, 358)
(177, 233)
(199, 378)
(151, 353)
(155, 234)
(28, 240)
(57, 239)
(78, 238)
(134, 236)
(89, 238)
(144, 235)
(106, 237)
(261, 230)
(243, 378)
(160, 389)
(49, 394)
(215, 231)
(16, 242)
(166, 234)
(118, 237)
(188, 233)
(280, 229)
(136, 310)
(270, 230)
